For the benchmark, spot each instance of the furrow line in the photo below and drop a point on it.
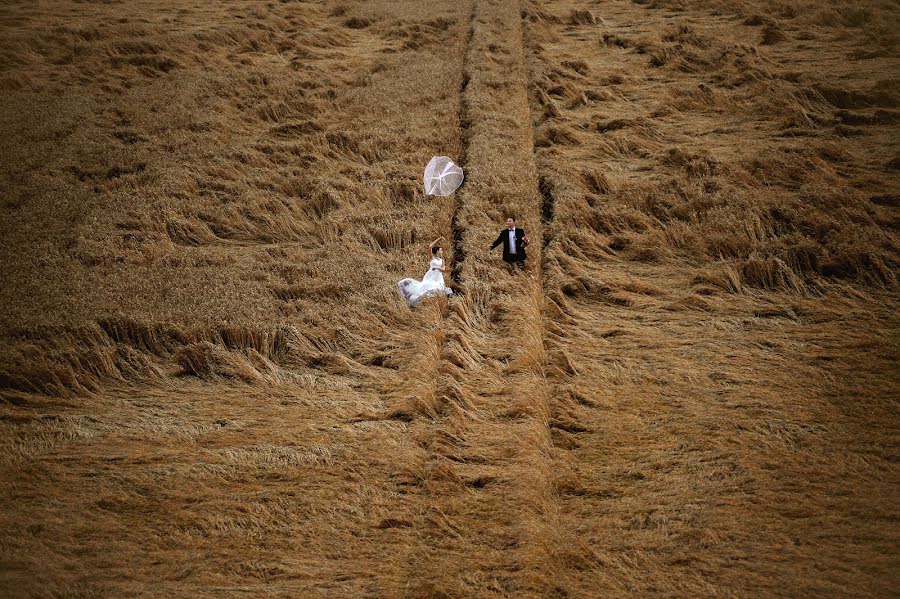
(486, 517)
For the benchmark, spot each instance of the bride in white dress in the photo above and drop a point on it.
(433, 281)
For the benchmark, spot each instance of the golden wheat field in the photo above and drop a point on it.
(211, 387)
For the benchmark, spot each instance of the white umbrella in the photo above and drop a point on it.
(442, 176)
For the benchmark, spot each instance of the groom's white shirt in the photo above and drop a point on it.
(512, 240)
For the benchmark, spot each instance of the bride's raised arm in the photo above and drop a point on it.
(433, 243)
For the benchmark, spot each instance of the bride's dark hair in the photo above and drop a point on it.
(434, 250)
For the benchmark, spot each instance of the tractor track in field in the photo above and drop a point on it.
(489, 450)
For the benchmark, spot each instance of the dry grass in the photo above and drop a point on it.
(211, 388)
(717, 261)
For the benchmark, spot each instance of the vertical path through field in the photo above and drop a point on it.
(486, 515)
(458, 253)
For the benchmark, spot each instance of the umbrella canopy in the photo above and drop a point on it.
(442, 176)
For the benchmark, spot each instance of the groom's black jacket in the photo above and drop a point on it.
(503, 238)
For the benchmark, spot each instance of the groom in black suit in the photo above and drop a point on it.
(514, 242)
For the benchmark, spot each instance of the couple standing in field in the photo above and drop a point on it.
(513, 239)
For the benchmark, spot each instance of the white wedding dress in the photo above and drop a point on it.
(431, 284)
